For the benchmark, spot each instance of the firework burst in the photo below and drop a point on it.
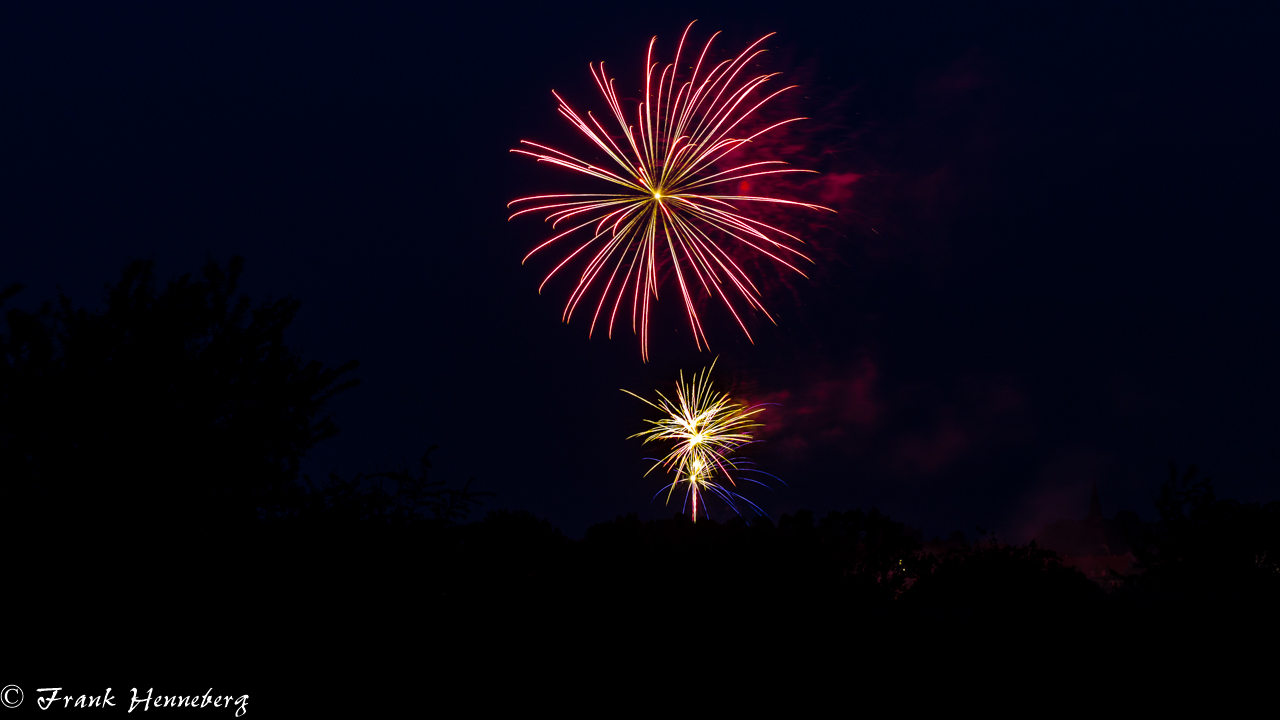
(706, 427)
(667, 159)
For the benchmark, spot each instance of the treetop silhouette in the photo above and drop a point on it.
(179, 409)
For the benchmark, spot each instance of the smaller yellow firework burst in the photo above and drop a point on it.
(707, 427)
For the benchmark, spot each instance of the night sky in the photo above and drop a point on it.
(1053, 265)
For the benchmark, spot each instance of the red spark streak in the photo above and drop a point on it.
(682, 133)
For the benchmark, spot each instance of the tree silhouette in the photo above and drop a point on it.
(171, 414)
(1207, 553)
(391, 497)
(997, 589)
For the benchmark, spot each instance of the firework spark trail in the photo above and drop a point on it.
(706, 427)
(666, 166)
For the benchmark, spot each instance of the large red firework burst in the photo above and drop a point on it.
(681, 147)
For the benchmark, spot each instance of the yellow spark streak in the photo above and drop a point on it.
(706, 428)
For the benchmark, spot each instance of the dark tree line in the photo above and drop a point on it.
(168, 427)
(1206, 552)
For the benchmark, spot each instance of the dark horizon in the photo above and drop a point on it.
(1052, 266)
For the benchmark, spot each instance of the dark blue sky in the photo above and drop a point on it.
(1056, 265)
